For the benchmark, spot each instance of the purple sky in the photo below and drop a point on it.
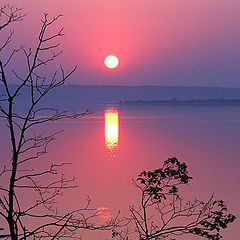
(158, 42)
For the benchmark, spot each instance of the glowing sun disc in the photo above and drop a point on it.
(111, 61)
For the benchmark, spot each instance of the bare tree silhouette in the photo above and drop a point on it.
(35, 218)
(163, 214)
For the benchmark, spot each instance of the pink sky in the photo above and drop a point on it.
(158, 42)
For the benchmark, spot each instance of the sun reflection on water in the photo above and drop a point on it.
(111, 130)
(104, 213)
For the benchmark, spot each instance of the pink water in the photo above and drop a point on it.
(207, 139)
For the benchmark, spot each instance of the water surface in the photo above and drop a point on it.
(112, 146)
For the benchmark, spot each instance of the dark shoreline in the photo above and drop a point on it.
(175, 101)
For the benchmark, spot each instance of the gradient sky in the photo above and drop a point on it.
(158, 42)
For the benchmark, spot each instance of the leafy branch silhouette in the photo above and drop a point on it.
(163, 214)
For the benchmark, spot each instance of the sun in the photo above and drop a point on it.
(111, 61)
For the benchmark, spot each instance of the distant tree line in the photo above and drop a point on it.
(175, 101)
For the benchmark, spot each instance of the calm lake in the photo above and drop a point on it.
(110, 147)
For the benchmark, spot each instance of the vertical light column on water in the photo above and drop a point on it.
(111, 129)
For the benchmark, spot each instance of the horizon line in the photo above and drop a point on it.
(108, 85)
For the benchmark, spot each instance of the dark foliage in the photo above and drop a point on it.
(163, 214)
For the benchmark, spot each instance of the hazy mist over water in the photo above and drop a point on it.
(206, 138)
(80, 97)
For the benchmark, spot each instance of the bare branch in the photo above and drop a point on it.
(26, 147)
(9, 15)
